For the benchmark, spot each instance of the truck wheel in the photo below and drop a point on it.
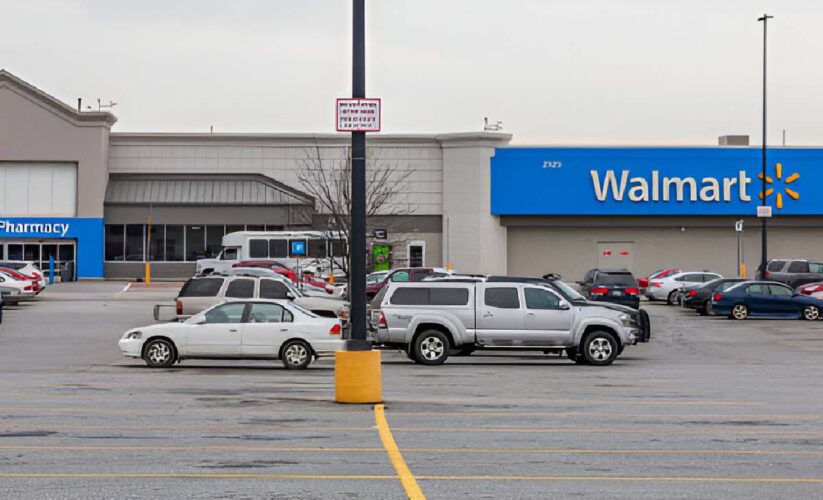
(600, 348)
(431, 347)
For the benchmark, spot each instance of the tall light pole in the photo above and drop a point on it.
(763, 240)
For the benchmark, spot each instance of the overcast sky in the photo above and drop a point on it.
(555, 72)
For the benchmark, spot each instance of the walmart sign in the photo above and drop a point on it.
(654, 181)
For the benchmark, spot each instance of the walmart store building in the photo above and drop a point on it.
(72, 189)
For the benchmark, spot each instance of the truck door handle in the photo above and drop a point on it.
(530, 314)
(488, 315)
(233, 330)
(284, 329)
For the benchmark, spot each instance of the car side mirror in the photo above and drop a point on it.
(564, 306)
(289, 295)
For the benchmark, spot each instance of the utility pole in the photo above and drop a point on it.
(357, 374)
(763, 238)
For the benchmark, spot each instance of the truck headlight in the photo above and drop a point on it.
(626, 319)
(136, 335)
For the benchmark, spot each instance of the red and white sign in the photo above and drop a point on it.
(607, 253)
(358, 115)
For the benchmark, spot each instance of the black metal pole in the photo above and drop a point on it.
(763, 238)
(357, 235)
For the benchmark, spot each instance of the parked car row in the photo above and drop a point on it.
(20, 281)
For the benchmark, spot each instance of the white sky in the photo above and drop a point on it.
(571, 72)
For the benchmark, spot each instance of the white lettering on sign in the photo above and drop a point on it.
(358, 115)
(660, 189)
(9, 227)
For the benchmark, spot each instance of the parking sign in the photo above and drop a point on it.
(298, 247)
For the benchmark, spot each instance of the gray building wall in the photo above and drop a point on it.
(569, 245)
(37, 127)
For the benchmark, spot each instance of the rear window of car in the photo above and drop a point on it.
(775, 265)
(503, 298)
(799, 266)
(271, 289)
(204, 287)
(240, 289)
(614, 279)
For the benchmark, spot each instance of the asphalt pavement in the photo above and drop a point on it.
(711, 408)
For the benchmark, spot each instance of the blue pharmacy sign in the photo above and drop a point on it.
(298, 248)
(86, 232)
(654, 181)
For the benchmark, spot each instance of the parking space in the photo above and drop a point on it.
(710, 408)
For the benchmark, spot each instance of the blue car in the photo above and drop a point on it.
(764, 299)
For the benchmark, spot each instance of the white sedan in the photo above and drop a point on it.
(25, 289)
(667, 288)
(241, 329)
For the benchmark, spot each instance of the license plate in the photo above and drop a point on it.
(617, 293)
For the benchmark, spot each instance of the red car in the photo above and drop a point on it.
(269, 264)
(643, 283)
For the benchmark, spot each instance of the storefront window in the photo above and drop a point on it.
(195, 242)
(317, 248)
(255, 227)
(134, 242)
(15, 252)
(214, 240)
(115, 242)
(65, 253)
(174, 243)
(234, 228)
(156, 243)
(273, 228)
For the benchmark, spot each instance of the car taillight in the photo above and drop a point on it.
(28, 288)
(336, 329)
(599, 290)
(632, 291)
(643, 282)
(808, 290)
(692, 293)
(766, 273)
(179, 307)
(657, 284)
(382, 321)
(718, 296)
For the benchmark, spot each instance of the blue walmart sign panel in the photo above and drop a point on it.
(654, 181)
(87, 231)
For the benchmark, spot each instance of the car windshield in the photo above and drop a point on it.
(568, 292)
(624, 279)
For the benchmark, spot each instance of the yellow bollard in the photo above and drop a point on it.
(357, 377)
(148, 273)
(742, 270)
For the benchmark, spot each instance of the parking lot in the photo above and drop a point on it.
(710, 408)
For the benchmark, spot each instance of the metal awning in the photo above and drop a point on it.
(196, 189)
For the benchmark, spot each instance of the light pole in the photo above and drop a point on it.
(763, 240)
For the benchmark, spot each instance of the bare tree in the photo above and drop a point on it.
(328, 180)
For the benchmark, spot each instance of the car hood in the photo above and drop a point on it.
(607, 305)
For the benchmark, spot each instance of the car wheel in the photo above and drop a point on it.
(811, 313)
(672, 298)
(296, 354)
(431, 347)
(703, 311)
(159, 353)
(739, 311)
(600, 348)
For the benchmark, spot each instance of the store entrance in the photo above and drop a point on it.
(40, 251)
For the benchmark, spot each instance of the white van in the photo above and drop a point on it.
(286, 247)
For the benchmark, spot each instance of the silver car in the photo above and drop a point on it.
(669, 287)
(429, 320)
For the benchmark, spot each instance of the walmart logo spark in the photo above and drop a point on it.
(779, 175)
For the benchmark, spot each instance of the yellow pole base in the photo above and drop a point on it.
(357, 377)
(148, 273)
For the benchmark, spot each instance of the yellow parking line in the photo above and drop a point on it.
(781, 480)
(406, 477)
(195, 475)
(504, 451)
(187, 475)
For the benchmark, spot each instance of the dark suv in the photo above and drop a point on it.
(793, 272)
(611, 285)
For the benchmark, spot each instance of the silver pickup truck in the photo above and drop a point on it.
(430, 320)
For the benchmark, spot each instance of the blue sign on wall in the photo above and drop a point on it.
(88, 232)
(654, 181)
(298, 248)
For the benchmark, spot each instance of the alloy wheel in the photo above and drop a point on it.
(432, 348)
(296, 354)
(740, 312)
(159, 353)
(600, 349)
(811, 313)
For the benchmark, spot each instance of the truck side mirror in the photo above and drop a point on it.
(564, 305)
